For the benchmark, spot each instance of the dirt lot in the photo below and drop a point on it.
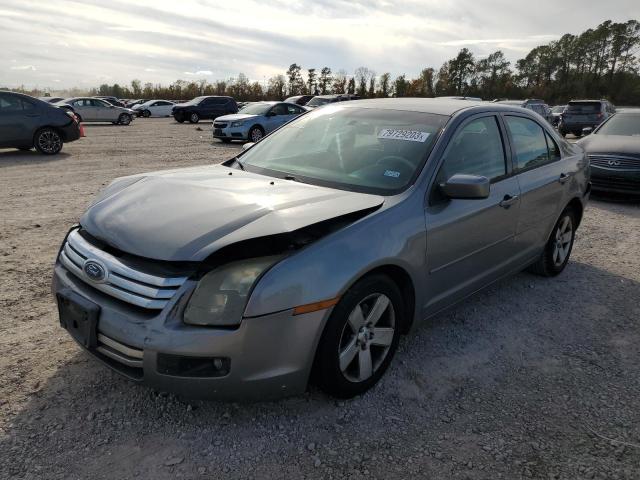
(533, 378)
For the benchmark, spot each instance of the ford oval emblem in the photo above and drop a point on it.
(95, 271)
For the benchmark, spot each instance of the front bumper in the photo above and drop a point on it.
(269, 356)
(231, 133)
(615, 181)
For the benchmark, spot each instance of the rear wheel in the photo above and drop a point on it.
(194, 118)
(556, 252)
(48, 141)
(360, 338)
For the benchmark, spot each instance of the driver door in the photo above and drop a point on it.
(278, 115)
(470, 242)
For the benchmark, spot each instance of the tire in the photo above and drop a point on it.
(179, 118)
(350, 360)
(124, 119)
(146, 114)
(557, 251)
(256, 134)
(194, 118)
(48, 141)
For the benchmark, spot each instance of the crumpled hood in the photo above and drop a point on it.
(620, 144)
(187, 214)
(235, 117)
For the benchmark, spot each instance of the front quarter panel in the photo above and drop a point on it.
(394, 235)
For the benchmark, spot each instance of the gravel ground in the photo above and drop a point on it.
(532, 378)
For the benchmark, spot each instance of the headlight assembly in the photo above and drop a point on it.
(237, 124)
(221, 295)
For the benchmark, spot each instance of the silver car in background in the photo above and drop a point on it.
(89, 109)
(315, 249)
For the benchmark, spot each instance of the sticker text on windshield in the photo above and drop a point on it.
(409, 135)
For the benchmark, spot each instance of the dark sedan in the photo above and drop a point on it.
(26, 122)
(614, 151)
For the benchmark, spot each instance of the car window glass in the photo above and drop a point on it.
(293, 110)
(554, 150)
(280, 109)
(26, 105)
(476, 149)
(528, 141)
(9, 103)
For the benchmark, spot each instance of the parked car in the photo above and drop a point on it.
(299, 99)
(132, 103)
(97, 110)
(112, 100)
(473, 99)
(204, 107)
(320, 100)
(255, 121)
(556, 112)
(154, 108)
(538, 106)
(50, 99)
(26, 123)
(614, 153)
(581, 114)
(316, 248)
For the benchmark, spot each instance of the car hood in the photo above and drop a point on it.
(235, 117)
(187, 214)
(620, 144)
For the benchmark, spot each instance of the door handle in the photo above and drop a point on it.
(564, 177)
(508, 200)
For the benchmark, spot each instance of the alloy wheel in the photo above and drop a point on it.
(49, 142)
(256, 135)
(563, 237)
(367, 337)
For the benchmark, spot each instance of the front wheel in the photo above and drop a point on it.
(146, 114)
(194, 118)
(256, 134)
(48, 141)
(124, 119)
(556, 252)
(360, 338)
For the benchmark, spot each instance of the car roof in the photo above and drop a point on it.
(440, 106)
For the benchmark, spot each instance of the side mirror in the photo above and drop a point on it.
(466, 186)
(247, 145)
(587, 130)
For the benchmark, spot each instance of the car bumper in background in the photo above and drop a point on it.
(617, 181)
(264, 357)
(232, 133)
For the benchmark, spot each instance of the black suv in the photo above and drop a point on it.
(26, 122)
(581, 114)
(204, 107)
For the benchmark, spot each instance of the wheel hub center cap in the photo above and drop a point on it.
(364, 337)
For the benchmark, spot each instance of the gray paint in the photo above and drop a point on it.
(448, 249)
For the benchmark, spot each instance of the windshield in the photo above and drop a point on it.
(558, 109)
(622, 124)
(256, 108)
(194, 101)
(360, 149)
(317, 101)
(583, 107)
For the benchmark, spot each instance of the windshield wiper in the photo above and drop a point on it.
(239, 163)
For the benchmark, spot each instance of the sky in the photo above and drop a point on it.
(59, 44)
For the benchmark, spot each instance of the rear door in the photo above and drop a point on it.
(470, 242)
(542, 176)
(16, 121)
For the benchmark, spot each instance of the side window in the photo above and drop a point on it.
(293, 110)
(9, 104)
(476, 149)
(529, 143)
(280, 109)
(554, 150)
(26, 105)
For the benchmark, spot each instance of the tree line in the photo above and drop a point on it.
(600, 62)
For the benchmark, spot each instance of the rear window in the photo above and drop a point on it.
(584, 107)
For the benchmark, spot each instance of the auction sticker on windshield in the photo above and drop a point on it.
(409, 135)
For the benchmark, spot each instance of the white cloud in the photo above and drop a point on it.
(200, 72)
(23, 67)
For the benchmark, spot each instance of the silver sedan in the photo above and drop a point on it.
(90, 109)
(316, 248)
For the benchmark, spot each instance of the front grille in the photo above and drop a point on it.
(219, 125)
(615, 162)
(120, 281)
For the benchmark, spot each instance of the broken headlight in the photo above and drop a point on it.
(221, 295)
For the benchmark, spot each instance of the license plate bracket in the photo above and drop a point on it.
(79, 316)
